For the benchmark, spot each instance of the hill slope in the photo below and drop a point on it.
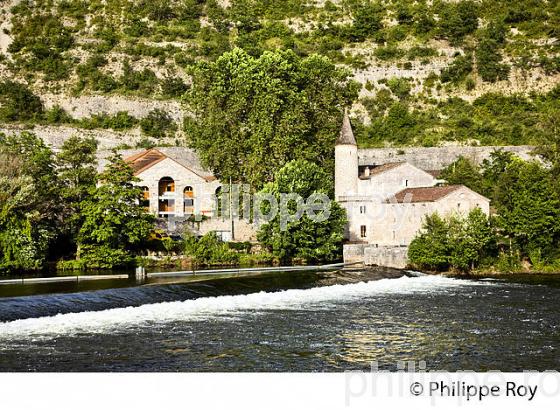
(432, 72)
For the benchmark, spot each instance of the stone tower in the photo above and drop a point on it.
(345, 161)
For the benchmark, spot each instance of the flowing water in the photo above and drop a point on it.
(286, 322)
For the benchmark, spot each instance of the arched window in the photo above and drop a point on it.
(166, 184)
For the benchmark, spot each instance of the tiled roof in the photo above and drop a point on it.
(144, 159)
(430, 194)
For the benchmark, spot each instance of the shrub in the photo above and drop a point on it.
(18, 103)
(458, 70)
(157, 124)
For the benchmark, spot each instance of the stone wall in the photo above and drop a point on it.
(434, 158)
(388, 256)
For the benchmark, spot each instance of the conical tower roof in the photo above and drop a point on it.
(346, 136)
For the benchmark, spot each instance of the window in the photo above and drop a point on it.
(363, 232)
(362, 209)
(406, 182)
(394, 235)
(166, 184)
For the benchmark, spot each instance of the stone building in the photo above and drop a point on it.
(388, 203)
(176, 188)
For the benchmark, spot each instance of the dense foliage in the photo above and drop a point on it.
(303, 239)
(51, 207)
(253, 115)
(525, 225)
(459, 243)
(113, 221)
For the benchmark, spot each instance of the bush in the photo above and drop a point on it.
(173, 87)
(157, 124)
(210, 250)
(18, 103)
(390, 52)
(104, 257)
(458, 70)
(367, 21)
(119, 121)
(459, 243)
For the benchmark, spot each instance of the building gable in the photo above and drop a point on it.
(169, 168)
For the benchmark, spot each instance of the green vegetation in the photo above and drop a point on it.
(525, 226)
(453, 243)
(491, 119)
(303, 239)
(142, 48)
(253, 115)
(19, 104)
(113, 222)
(51, 207)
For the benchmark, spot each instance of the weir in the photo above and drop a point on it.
(140, 274)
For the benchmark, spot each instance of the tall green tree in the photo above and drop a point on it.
(253, 115)
(303, 238)
(29, 203)
(114, 222)
(76, 163)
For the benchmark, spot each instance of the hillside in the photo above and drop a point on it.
(431, 72)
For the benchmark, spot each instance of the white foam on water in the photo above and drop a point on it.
(224, 306)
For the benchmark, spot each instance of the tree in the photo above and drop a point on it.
(253, 115)
(471, 239)
(28, 202)
(18, 103)
(304, 238)
(157, 124)
(458, 242)
(456, 20)
(492, 170)
(77, 178)
(463, 172)
(549, 146)
(114, 222)
(488, 61)
(528, 207)
(430, 249)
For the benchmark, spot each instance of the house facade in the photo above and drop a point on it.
(388, 203)
(183, 194)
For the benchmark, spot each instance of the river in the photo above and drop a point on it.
(295, 321)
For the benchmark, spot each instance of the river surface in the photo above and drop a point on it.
(287, 322)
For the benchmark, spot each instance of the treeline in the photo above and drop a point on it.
(523, 229)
